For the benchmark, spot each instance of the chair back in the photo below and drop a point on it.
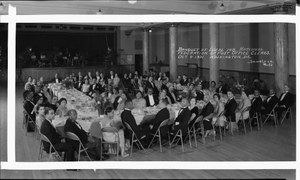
(44, 138)
(192, 117)
(28, 116)
(164, 123)
(128, 126)
(222, 113)
(275, 107)
(72, 136)
(198, 119)
(109, 129)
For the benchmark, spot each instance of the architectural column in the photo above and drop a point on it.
(281, 59)
(145, 50)
(173, 51)
(214, 63)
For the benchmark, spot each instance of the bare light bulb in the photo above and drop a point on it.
(132, 1)
(222, 7)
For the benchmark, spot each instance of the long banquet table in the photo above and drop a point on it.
(87, 114)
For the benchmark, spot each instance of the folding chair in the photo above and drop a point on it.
(134, 139)
(177, 135)
(57, 155)
(192, 132)
(157, 134)
(272, 114)
(289, 110)
(257, 116)
(116, 141)
(220, 127)
(30, 121)
(243, 120)
(228, 122)
(81, 148)
(24, 119)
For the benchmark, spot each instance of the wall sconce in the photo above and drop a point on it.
(128, 33)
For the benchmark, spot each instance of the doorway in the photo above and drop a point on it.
(139, 63)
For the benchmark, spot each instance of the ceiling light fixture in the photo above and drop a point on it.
(2, 7)
(150, 30)
(132, 1)
(99, 12)
(222, 7)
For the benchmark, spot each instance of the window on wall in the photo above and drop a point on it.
(138, 44)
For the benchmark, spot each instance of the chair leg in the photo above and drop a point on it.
(220, 129)
(159, 137)
(131, 145)
(244, 125)
(189, 134)
(195, 137)
(181, 140)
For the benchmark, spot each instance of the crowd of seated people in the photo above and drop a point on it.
(198, 99)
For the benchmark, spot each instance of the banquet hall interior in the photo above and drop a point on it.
(229, 89)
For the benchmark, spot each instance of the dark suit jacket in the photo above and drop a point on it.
(78, 85)
(70, 126)
(162, 115)
(230, 108)
(163, 86)
(256, 105)
(223, 89)
(288, 100)
(50, 132)
(156, 101)
(184, 83)
(127, 117)
(171, 97)
(270, 105)
(149, 85)
(207, 110)
(28, 106)
(200, 95)
(94, 89)
(183, 120)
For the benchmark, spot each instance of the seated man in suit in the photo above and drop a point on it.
(199, 93)
(56, 79)
(29, 107)
(79, 83)
(206, 116)
(286, 100)
(150, 85)
(151, 99)
(230, 108)
(127, 117)
(256, 104)
(87, 140)
(59, 143)
(269, 103)
(182, 120)
(221, 88)
(94, 88)
(162, 115)
(54, 103)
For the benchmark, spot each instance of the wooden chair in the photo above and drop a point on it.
(220, 127)
(272, 114)
(134, 139)
(81, 148)
(57, 155)
(289, 110)
(243, 120)
(228, 122)
(157, 134)
(192, 132)
(116, 141)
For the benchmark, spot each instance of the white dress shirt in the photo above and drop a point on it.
(151, 100)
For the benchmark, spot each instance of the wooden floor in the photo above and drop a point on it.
(268, 144)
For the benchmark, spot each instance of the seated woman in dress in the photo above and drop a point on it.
(139, 101)
(219, 108)
(40, 117)
(245, 102)
(62, 110)
(212, 87)
(116, 80)
(114, 95)
(108, 121)
(85, 87)
(194, 111)
(163, 95)
(46, 93)
(121, 101)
